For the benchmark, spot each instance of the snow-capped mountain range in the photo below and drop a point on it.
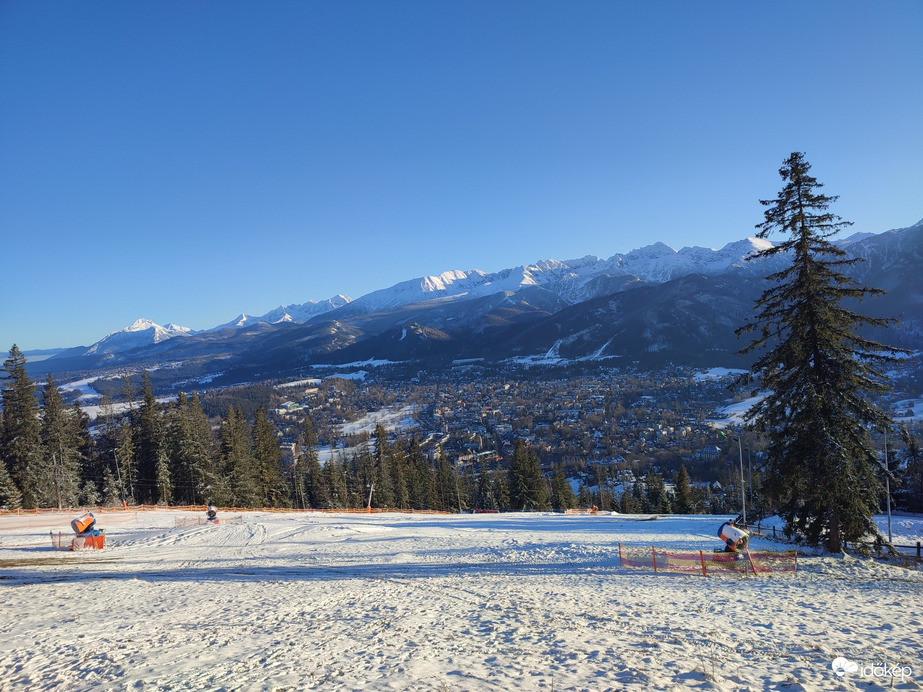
(654, 302)
(142, 332)
(572, 281)
(286, 313)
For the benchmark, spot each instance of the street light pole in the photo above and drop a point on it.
(743, 497)
(888, 485)
(750, 475)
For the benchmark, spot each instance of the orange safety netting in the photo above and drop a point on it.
(699, 562)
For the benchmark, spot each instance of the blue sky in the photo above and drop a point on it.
(189, 161)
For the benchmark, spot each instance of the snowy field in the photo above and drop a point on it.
(419, 602)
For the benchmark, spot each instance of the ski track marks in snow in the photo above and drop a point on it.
(387, 602)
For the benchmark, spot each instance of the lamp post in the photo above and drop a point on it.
(888, 485)
(743, 497)
(371, 488)
(750, 475)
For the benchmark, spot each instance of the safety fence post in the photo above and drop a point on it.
(654, 553)
(702, 560)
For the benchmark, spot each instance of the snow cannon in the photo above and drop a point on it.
(87, 535)
(735, 540)
(211, 514)
(84, 523)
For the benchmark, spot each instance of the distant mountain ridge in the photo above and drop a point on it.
(141, 332)
(571, 281)
(287, 313)
(653, 304)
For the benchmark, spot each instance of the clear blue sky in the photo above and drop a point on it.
(189, 161)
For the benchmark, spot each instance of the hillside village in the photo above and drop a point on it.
(606, 428)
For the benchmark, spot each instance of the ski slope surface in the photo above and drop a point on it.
(305, 601)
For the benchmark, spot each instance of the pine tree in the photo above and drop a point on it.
(126, 467)
(179, 452)
(20, 441)
(382, 475)
(528, 489)
(682, 501)
(335, 480)
(10, 497)
(585, 497)
(57, 478)
(484, 497)
(148, 428)
(910, 494)
(445, 485)
(87, 459)
(112, 492)
(308, 478)
(655, 492)
(817, 371)
(562, 495)
(273, 491)
(397, 464)
(628, 503)
(191, 452)
(419, 478)
(237, 460)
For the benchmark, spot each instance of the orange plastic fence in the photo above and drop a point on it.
(202, 508)
(699, 562)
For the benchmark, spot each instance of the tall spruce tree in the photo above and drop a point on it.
(910, 467)
(335, 480)
(817, 371)
(382, 473)
(420, 481)
(655, 494)
(190, 447)
(237, 460)
(10, 497)
(20, 437)
(528, 489)
(148, 434)
(308, 478)
(682, 500)
(562, 494)
(397, 463)
(273, 490)
(58, 479)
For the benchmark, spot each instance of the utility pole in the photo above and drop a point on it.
(750, 475)
(888, 484)
(743, 497)
(118, 474)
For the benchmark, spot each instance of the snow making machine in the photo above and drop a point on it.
(87, 535)
(736, 540)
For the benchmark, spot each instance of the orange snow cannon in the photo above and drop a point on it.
(84, 523)
(87, 535)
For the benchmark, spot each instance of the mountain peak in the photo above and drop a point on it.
(141, 332)
(288, 313)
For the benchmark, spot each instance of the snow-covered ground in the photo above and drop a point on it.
(437, 602)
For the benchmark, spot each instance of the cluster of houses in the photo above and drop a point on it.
(625, 420)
